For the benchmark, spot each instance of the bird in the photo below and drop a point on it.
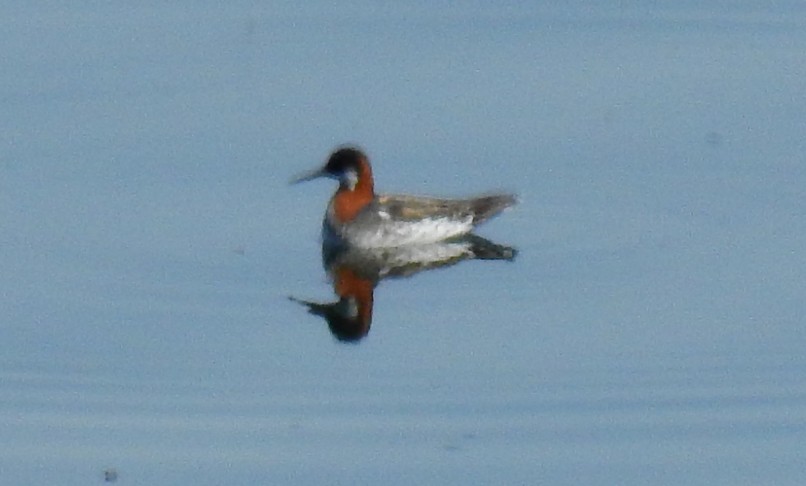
(358, 217)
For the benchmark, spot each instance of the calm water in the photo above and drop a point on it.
(649, 331)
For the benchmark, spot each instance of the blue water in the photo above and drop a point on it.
(650, 330)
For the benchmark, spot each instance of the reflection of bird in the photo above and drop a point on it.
(356, 216)
(355, 273)
(349, 317)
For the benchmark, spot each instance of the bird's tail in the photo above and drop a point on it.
(486, 207)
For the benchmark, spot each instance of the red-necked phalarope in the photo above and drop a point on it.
(356, 216)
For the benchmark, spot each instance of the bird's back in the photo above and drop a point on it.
(395, 220)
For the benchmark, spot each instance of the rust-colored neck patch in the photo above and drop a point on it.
(349, 284)
(347, 203)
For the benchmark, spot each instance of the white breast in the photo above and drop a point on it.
(400, 233)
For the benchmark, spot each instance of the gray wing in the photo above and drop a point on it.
(409, 208)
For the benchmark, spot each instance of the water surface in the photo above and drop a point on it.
(649, 330)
